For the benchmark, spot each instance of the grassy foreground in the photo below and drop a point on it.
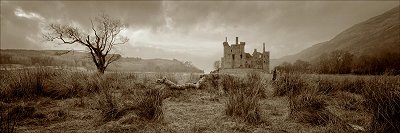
(46, 100)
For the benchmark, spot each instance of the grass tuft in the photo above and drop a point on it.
(289, 85)
(309, 107)
(150, 105)
(243, 100)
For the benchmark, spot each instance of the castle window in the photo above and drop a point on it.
(231, 50)
(233, 56)
(240, 56)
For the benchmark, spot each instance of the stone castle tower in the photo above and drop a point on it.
(236, 58)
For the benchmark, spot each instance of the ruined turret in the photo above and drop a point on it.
(235, 57)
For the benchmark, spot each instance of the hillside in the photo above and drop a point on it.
(24, 58)
(374, 36)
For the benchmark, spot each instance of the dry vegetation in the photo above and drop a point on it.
(345, 102)
(47, 100)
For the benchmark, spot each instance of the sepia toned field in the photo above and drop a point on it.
(48, 100)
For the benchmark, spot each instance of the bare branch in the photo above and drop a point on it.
(106, 36)
(113, 58)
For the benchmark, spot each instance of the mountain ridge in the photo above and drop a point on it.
(373, 36)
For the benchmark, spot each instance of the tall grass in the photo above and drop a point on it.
(309, 107)
(7, 124)
(379, 95)
(289, 85)
(243, 98)
(150, 105)
(57, 84)
(148, 100)
(382, 95)
(108, 106)
(306, 103)
(60, 84)
(306, 99)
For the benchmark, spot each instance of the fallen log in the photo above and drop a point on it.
(174, 86)
(185, 86)
(204, 82)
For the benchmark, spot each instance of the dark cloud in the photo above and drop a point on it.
(195, 27)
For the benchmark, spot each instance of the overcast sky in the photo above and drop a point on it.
(193, 29)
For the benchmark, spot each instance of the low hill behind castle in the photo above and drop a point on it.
(58, 58)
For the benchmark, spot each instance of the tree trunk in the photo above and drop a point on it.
(101, 69)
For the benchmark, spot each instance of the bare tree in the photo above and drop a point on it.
(100, 41)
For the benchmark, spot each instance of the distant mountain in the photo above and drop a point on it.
(374, 36)
(17, 57)
(203, 62)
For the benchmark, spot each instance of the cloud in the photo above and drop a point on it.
(30, 15)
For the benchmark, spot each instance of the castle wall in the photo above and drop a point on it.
(266, 61)
(236, 58)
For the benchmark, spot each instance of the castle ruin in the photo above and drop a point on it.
(236, 58)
